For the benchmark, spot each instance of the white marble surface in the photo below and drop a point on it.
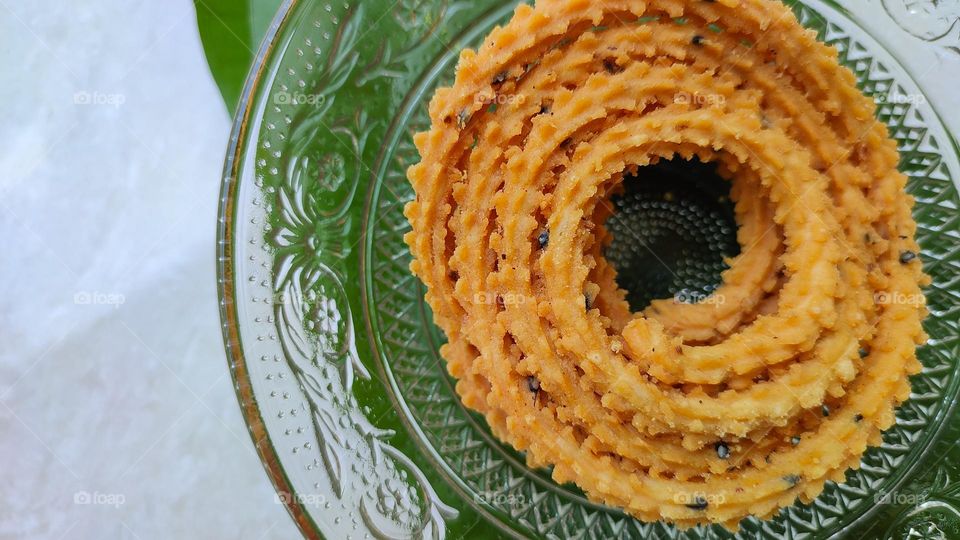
(117, 413)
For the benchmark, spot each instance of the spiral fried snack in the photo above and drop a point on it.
(692, 413)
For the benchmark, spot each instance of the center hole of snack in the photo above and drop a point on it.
(672, 228)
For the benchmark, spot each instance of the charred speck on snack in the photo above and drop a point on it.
(795, 440)
(611, 66)
(907, 256)
(699, 503)
(858, 418)
(863, 352)
(499, 78)
(792, 479)
(825, 410)
(544, 109)
(697, 40)
(587, 301)
(723, 451)
(543, 239)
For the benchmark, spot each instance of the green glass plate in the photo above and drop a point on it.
(332, 348)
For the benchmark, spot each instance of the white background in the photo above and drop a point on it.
(114, 389)
(126, 398)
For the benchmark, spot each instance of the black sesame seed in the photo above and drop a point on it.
(863, 352)
(462, 118)
(723, 451)
(699, 503)
(533, 384)
(795, 440)
(697, 40)
(907, 256)
(792, 479)
(858, 418)
(825, 410)
(500, 77)
(543, 239)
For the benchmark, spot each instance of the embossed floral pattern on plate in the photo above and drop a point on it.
(332, 349)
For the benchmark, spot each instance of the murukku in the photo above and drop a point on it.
(704, 412)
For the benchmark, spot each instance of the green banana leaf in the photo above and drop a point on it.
(231, 31)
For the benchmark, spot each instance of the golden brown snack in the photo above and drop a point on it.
(508, 235)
